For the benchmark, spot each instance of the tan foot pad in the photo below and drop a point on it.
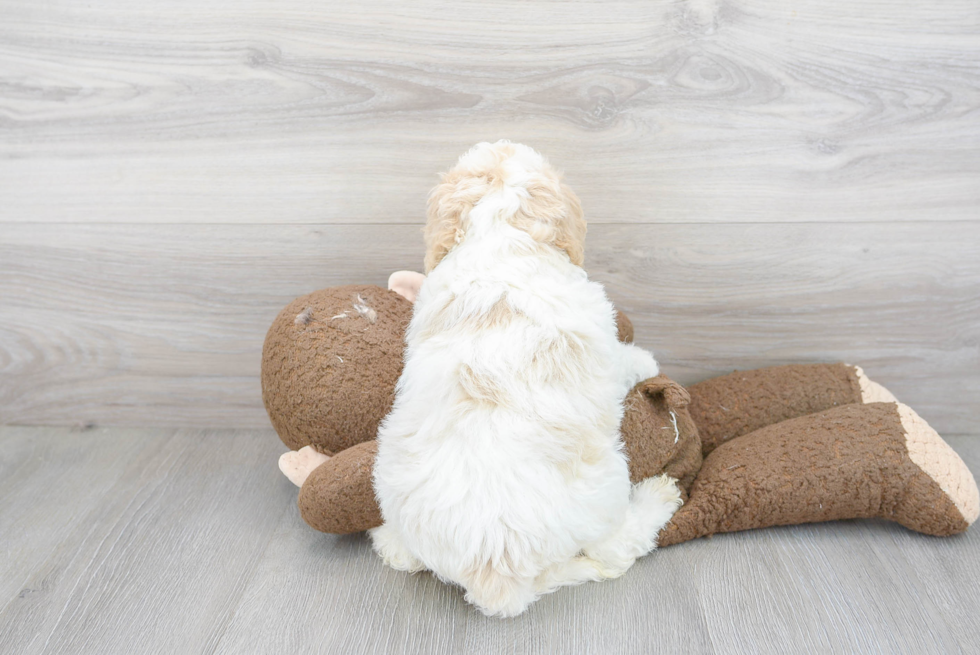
(871, 391)
(298, 464)
(941, 463)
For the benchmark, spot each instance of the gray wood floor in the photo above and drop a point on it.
(189, 541)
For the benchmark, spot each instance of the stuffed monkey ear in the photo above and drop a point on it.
(674, 394)
(406, 284)
(658, 433)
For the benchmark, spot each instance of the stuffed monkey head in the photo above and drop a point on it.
(330, 363)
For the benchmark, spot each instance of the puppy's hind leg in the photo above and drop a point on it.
(652, 503)
(388, 544)
(573, 572)
(498, 594)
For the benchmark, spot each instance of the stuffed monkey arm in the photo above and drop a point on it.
(731, 405)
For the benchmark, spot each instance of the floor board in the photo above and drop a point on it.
(163, 541)
(159, 562)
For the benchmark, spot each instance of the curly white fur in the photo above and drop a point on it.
(500, 466)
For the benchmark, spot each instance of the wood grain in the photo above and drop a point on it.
(163, 324)
(165, 541)
(158, 565)
(694, 111)
(44, 499)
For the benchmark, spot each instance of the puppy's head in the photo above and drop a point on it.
(505, 182)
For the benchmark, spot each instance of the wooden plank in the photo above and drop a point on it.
(163, 324)
(860, 586)
(164, 541)
(835, 587)
(338, 597)
(50, 482)
(159, 563)
(325, 113)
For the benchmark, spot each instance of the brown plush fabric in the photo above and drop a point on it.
(338, 497)
(659, 434)
(741, 402)
(842, 463)
(624, 327)
(328, 381)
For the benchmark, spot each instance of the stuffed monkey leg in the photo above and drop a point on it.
(338, 496)
(731, 405)
(854, 461)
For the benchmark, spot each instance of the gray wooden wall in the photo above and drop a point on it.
(767, 182)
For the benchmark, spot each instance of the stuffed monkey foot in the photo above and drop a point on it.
(854, 461)
(298, 464)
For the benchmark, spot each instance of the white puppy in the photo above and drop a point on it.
(500, 466)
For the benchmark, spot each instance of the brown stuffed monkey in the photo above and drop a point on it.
(775, 446)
